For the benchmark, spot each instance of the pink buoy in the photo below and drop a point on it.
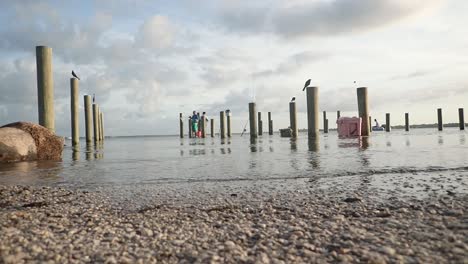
(349, 126)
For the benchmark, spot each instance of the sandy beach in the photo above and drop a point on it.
(60, 225)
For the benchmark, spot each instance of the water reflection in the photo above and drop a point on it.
(253, 145)
(364, 143)
(441, 140)
(89, 151)
(76, 153)
(313, 144)
(98, 150)
(462, 139)
(293, 142)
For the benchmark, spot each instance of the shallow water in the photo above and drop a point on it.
(139, 162)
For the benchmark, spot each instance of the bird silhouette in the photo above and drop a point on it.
(293, 99)
(307, 83)
(74, 75)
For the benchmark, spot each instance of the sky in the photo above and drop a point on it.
(149, 60)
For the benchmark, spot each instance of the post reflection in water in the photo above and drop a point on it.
(441, 140)
(89, 151)
(98, 153)
(313, 156)
(408, 143)
(76, 153)
(364, 145)
(253, 145)
(462, 139)
(293, 142)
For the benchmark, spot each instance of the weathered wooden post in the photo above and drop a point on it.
(222, 125)
(325, 122)
(101, 119)
(370, 124)
(181, 126)
(253, 120)
(338, 114)
(312, 112)
(212, 127)
(293, 119)
(228, 114)
(95, 122)
(461, 119)
(99, 123)
(75, 128)
(260, 124)
(363, 107)
(439, 119)
(406, 121)
(203, 126)
(270, 124)
(88, 118)
(190, 128)
(387, 122)
(45, 87)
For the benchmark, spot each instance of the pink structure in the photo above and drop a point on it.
(349, 126)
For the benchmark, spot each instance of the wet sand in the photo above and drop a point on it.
(294, 222)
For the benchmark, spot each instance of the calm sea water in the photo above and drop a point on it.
(142, 161)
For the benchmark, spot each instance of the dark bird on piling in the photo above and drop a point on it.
(94, 99)
(307, 83)
(293, 99)
(74, 75)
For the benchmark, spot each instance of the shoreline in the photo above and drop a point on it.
(64, 225)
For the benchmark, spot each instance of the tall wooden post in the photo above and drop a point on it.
(212, 128)
(75, 128)
(45, 87)
(203, 126)
(406, 121)
(88, 119)
(338, 114)
(293, 119)
(440, 124)
(325, 122)
(222, 125)
(190, 128)
(270, 124)
(370, 124)
(228, 113)
(95, 122)
(387, 122)
(363, 107)
(253, 120)
(101, 124)
(461, 119)
(260, 124)
(312, 111)
(181, 126)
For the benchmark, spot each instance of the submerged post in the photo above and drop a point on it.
(338, 114)
(312, 112)
(45, 87)
(325, 122)
(253, 120)
(95, 122)
(363, 107)
(75, 128)
(190, 128)
(439, 119)
(293, 119)
(461, 119)
(406, 121)
(260, 124)
(222, 126)
(101, 122)
(387, 122)
(181, 126)
(228, 113)
(88, 118)
(212, 128)
(270, 124)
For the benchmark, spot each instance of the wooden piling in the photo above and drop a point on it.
(293, 119)
(370, 124)
(338, 114)
(363, 107)
(387, 122)
(260, 124)
(88, 119)
(325, 124)
(101, 125)
(45, 87)
(203, 126)
(228, 123)
(99, 122)
(190, 128)
(75, 128)
(95, 123)
(270, 124)
(312, 111)
(181, 126)
(222, 125)
(406, 121)
(253, 120)
(440, 125)
(212, 128)
(461, 119)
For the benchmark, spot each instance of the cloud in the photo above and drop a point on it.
(156, 33)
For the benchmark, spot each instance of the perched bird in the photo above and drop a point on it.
(293, 99)
(74, 75)
(307, 83)
(94, 99)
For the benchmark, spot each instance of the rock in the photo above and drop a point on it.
(352, 199)
(23, 141)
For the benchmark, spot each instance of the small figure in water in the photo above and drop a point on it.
(194, 123)
(376, 123)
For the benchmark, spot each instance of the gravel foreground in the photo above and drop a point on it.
(59, 225)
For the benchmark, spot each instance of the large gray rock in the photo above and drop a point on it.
(23, 141)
